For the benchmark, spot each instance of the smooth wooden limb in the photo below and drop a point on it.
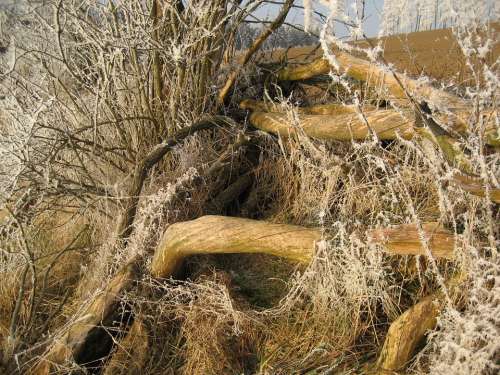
(319, 109)
(453, 111)
(405, 240)
(386, 124)
(225, 235)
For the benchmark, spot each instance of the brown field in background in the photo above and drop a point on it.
(434, 53)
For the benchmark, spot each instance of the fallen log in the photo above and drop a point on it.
(409, 330)
(405, 240)
(453, 111)
(386, 124)
(319, 109)
(364, 70)
(229, 235)
(89, 338)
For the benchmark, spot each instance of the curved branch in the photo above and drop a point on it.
(253, 49)
(152, 158)
(229, 235)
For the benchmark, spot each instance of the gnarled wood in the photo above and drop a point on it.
(319, 109)
(385, 123)
(406, 333)
(453, 111)
(87, 338)
(224, 235)
(405, 240)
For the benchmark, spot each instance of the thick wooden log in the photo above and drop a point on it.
(406, 333)
(455, 112)
(305, 71)
(227, 235)
(88, 338)
(386, 124)
(405, 240)
(319, 109)
(364, 70)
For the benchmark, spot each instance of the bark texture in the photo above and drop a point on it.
(89, 337)
(227, 235)
(386, 124)
(405, 240)
(406, 333)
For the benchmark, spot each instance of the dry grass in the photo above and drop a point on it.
(249, 314)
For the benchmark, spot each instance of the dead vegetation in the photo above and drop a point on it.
(178, 215)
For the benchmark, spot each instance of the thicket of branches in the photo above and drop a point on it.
(356, 208)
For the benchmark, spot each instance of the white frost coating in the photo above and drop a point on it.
(9, 57)
(308, 9)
